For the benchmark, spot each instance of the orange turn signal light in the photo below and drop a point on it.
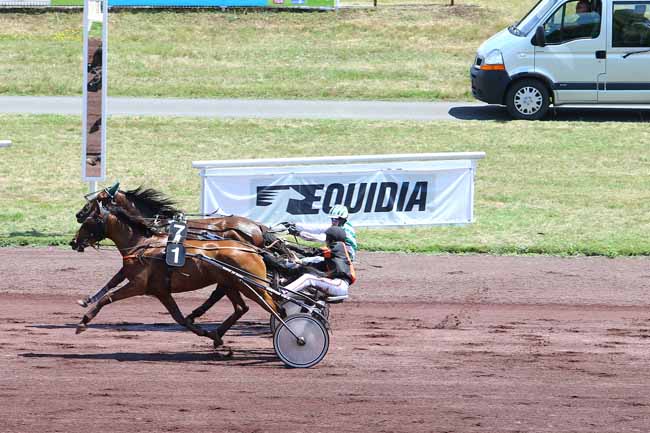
(493, 67)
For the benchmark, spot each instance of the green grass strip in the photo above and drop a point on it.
(67, 2)
(544, 188)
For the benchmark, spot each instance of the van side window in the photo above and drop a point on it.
(576, 19)
(631, 24)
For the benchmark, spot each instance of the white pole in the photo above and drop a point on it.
(92, 186)
(104, 4)
(84, 94)
(202, 206)
(94, 11)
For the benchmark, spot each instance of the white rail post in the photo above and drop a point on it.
(94, 97)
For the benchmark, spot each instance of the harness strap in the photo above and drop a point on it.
(139, 257)
(247, 250)
(140, 254)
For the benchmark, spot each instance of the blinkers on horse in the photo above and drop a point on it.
(93, 198)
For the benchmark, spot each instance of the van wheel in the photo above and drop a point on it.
(528, 100)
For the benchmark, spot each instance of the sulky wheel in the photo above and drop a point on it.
(309, 350)
(325, 311)
(288, 309)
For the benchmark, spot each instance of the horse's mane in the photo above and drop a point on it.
(133, 220)
(151, 202)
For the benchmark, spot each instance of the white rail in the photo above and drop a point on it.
(322, 160)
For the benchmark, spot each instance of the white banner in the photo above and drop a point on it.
(379, 191)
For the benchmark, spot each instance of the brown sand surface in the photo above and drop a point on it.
(425, 344)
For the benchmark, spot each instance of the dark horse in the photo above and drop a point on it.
(154, 207)
(151, 204)
(145, 267)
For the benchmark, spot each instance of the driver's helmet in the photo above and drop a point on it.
(339, 211)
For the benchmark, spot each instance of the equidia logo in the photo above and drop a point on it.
(371, 197)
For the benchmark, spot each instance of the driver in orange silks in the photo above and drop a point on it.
(328, 269)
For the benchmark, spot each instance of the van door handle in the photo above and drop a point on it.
(601, 54)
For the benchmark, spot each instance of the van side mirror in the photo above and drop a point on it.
(540, 37)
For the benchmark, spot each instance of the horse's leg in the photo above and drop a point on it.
(216, 295)
(240, 309)
(126, 291)
(113, 282)
(168, 301)
(263, 299)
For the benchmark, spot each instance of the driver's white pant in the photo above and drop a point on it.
(331, 286)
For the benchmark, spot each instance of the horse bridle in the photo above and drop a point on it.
(98, 231)
(111, 192)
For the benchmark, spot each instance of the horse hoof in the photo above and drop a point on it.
(81, 328)
(225, 352)
(82, 302)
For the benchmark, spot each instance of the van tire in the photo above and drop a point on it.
(528, 99)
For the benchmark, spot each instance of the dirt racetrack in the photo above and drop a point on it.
(426, 344)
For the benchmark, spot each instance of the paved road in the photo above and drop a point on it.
(299, 109)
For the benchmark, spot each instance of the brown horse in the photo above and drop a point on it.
(152, 205)
(148, 274)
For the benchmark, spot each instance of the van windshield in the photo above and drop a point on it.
(531, 19)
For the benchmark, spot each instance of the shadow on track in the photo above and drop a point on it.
(562, 114)
(484, 112)
(244, 328)
(238, 357)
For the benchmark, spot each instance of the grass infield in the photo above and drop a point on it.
(545, 187)
(408, 52)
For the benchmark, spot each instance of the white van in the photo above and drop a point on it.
(567, 52)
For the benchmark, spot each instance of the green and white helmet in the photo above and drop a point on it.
(339, 211)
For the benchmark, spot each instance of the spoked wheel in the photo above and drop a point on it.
(309, 349)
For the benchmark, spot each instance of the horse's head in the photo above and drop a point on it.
(112, 221)
(93, 228)
(103, 197)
